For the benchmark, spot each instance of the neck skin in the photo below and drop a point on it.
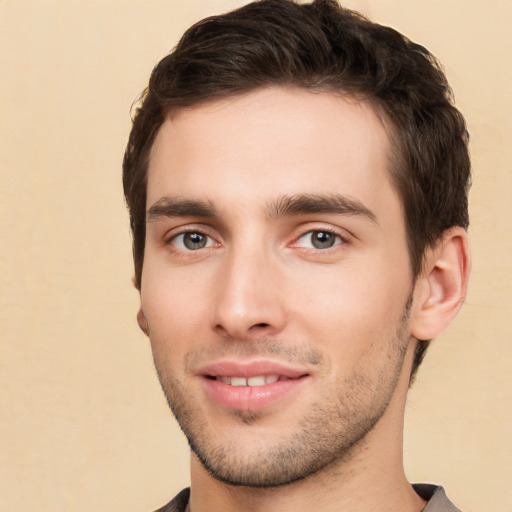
(371, 478)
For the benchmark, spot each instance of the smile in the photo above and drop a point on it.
(251, 386)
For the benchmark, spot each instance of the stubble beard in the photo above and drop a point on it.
(330, 433)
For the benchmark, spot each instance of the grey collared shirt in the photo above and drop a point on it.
(433, 494)
(436, 498)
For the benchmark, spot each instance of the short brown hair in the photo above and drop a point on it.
(322, 47)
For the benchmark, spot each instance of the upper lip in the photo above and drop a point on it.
(230, 368)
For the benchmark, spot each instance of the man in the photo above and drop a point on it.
(297, 184)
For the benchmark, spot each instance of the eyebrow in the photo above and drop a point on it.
(314, 203)
(301, 204)
(168, 206)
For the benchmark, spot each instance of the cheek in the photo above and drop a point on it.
(175, 307)
(351, 309)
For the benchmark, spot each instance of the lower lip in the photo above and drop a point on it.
(250, 398)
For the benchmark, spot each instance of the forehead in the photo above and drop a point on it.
(271, 143)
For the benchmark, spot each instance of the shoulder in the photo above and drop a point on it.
(178, 503)
(436, 498)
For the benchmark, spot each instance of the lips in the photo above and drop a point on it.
(250, 386)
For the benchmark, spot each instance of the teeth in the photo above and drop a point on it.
(256, 381)
(259, 380)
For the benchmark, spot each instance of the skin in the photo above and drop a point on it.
(345, 315)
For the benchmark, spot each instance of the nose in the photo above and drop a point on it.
(249, 297)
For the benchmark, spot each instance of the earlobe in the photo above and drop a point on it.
(441, 289)
(143, 323)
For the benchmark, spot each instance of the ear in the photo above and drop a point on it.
(441, 288)
(143, 323)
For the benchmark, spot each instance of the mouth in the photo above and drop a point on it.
(256, 381)
(253, 386)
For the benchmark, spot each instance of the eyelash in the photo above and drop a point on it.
(339, 240)
(173, 237)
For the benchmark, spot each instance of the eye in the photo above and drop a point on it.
(192, 241)
(319, 240)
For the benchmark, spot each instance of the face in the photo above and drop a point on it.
(276, 282)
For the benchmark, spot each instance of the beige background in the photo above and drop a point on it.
(84, 426)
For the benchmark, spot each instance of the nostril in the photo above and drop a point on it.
(261, 325)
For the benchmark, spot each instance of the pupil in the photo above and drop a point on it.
(194, 240)
(322, 240)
